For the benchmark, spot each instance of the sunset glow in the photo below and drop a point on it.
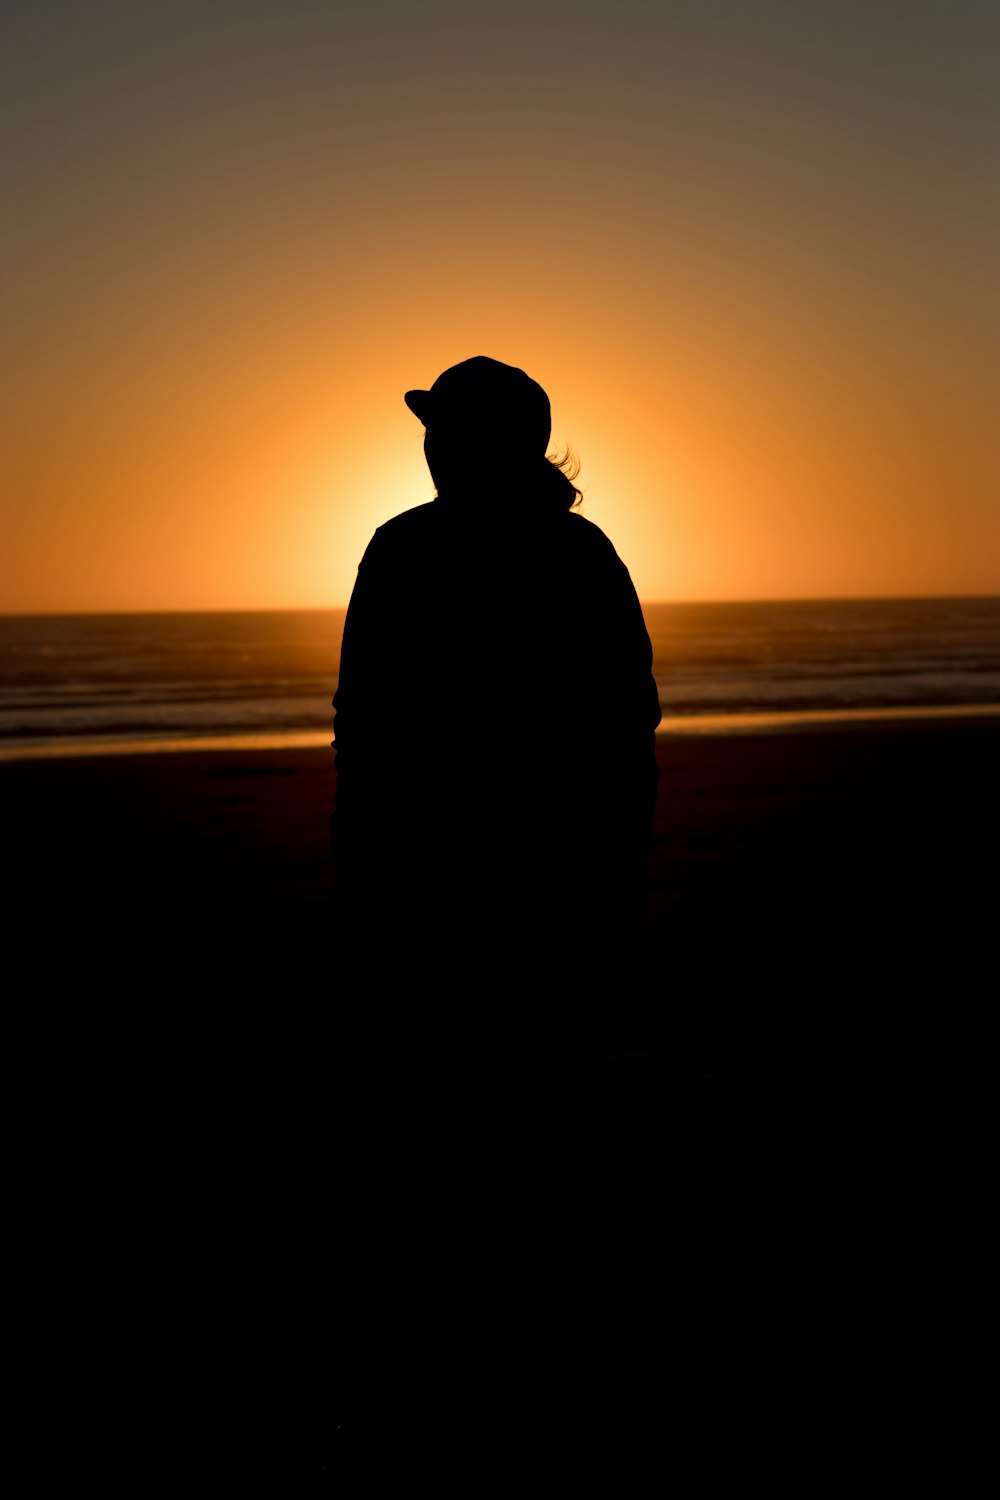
(747, 249)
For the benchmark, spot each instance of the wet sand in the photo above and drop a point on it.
(285, 1223)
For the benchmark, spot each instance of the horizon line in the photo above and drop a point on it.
(276, 609)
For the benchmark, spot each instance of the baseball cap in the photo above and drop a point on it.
(483, 392)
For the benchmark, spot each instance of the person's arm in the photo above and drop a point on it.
(629, 705)
(628, 712)
(362, 716)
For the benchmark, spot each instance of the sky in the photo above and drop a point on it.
(747, 246)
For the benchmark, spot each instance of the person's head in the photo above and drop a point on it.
(487, 428)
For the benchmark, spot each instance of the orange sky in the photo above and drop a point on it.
(747, 248)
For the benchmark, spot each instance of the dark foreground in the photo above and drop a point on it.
(293, 1225)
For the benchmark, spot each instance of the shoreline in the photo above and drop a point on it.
(733, 724)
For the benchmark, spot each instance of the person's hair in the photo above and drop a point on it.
(559, 474)
(541, 479)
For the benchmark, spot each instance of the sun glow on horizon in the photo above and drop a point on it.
(752, 264)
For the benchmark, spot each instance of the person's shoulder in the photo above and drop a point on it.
(587, 536)
(584, 528)
(400, 535)
(409, 523)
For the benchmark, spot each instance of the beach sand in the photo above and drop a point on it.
(789, 869)
(300, 1216)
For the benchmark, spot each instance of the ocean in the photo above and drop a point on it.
(93, 683)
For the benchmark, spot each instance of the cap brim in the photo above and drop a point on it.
(418, 401)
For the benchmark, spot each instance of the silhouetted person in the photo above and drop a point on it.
(495, 715)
